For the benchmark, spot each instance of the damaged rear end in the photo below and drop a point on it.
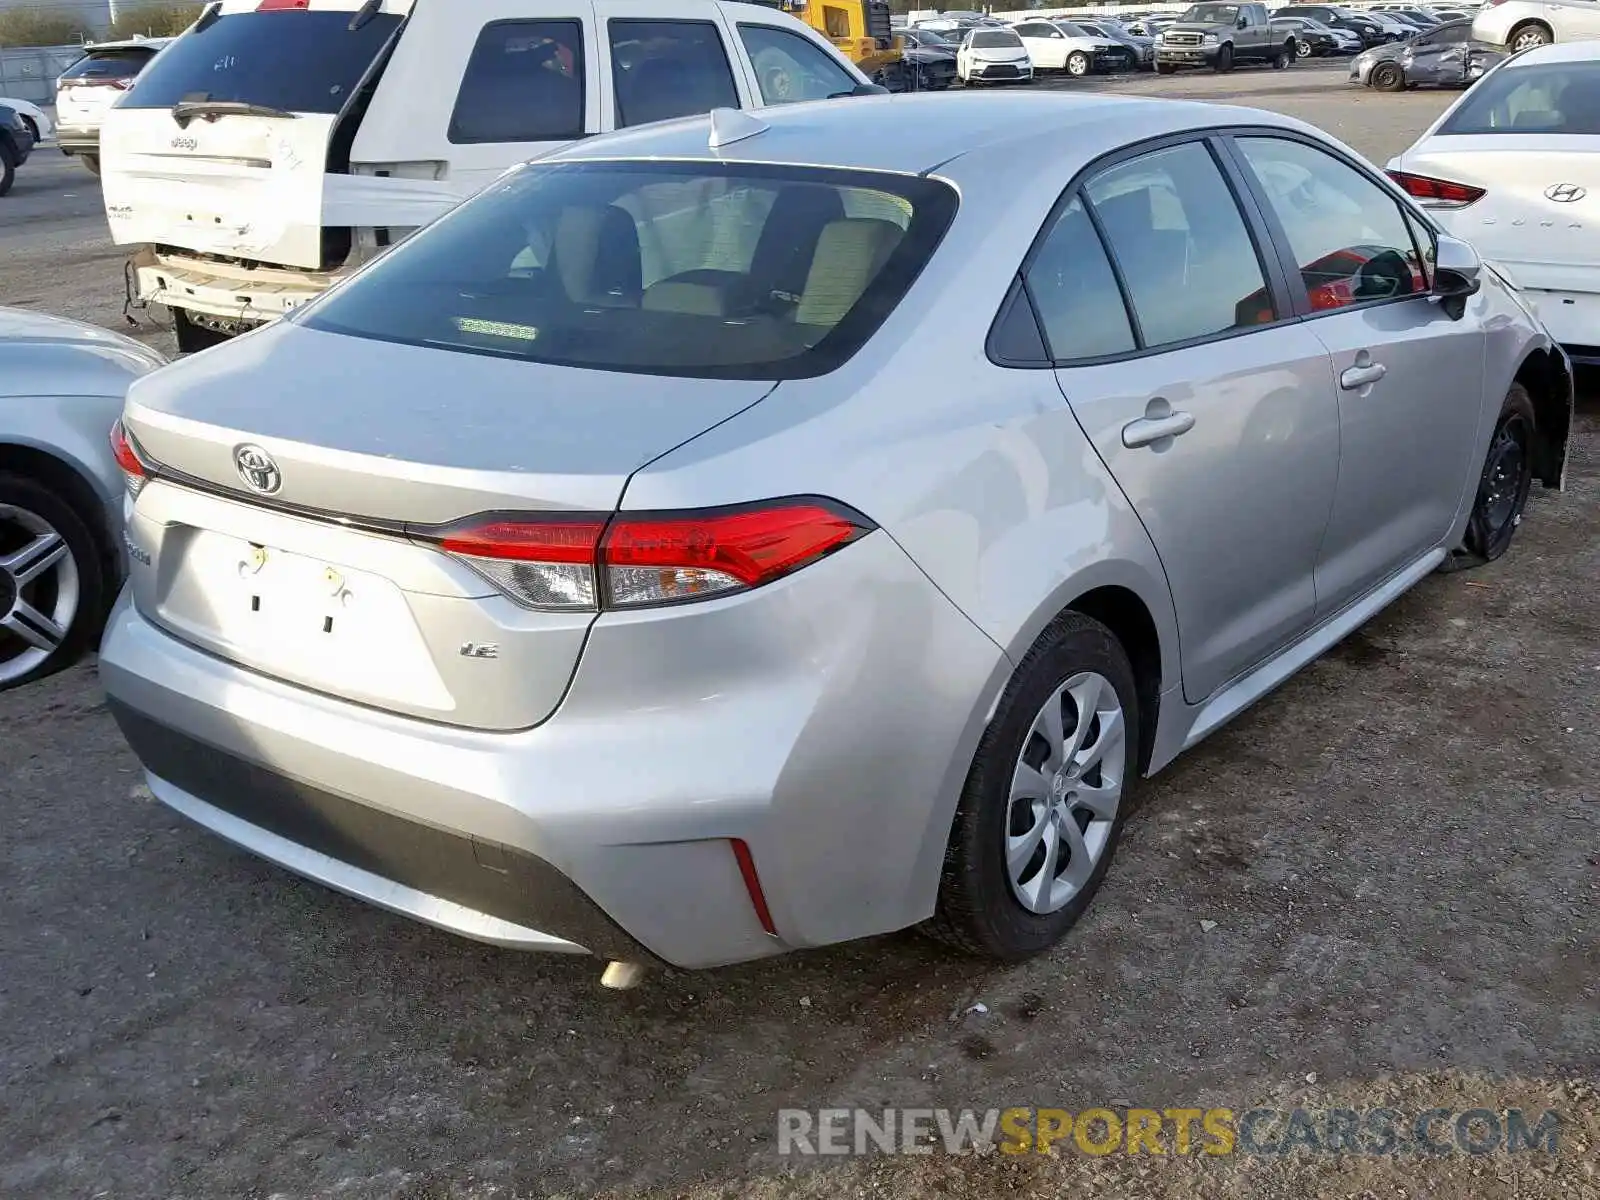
(228, 163)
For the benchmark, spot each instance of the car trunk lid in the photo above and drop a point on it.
(1539, 216)
(225, 143)
(328, 581)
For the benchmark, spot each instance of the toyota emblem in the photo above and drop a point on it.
(256, 468)
(1565, 193)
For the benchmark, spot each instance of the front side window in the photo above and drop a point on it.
(1182, 246)
(711, 270)
(293, 60)
(1075, 292)
(791, 67)
(1557, 98)
(1349, 236)
(1450, 35)
(524, 83)
(667, 69)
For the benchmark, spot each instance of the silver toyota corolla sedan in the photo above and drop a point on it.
(62, 386)
(606, 569)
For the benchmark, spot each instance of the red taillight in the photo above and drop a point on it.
(133, 467)
(561, 562)
(282, 5)
(1437, 193)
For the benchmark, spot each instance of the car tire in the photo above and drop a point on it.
(1387, 77)
(33, 128)
(92, 161)
(1283, 59)
(8, 170)
(1014, 804)
(1504, 485)
(70, 594)
(1224, 62)
(1304, 50)
(1078, 64)
(1528, 35)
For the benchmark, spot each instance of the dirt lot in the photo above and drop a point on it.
(1378, 888)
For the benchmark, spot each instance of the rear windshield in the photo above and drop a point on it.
(1558, 98)
(296, 60)
(994, 40)
(731, 271)
(108, 64)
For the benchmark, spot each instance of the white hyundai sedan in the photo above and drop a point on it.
(1514, 168)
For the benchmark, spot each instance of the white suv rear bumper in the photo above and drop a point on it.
(223, 290)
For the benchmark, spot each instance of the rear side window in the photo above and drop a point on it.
(1076, 294)
(104, 66)
(790, 67)
(295, 60)
(1185, 254)
(1558, 98)
(524, 83)
(667, 69)
(712, 270)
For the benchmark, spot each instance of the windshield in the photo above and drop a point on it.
(291, 59)
(931, 37)
(1211, 14)
(1071, 30)
(1559, 98)
(711, 270)
(994, 39)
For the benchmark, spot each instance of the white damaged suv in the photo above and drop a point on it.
(279, 144)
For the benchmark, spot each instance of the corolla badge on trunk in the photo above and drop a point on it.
(256, 467)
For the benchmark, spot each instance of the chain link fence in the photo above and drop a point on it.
(30, 74)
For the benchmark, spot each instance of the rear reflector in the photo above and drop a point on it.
(133, 467)
(752, 884)
(1437, 193)
(634, 560)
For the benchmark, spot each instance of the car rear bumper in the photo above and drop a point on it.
(216, 289)
(611, 828)
(1573, 319)
(71, 139)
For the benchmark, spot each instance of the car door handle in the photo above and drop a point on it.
(1146, 430)
(1356, 378)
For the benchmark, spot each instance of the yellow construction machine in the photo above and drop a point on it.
(860, 29)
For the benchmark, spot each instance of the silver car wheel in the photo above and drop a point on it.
(1530, 38)
(1065, 792)
(39, 591)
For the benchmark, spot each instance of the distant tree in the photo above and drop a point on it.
(154, 20)
(32, 27)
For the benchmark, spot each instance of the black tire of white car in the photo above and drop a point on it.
(1077, 63)
(976, 910)
(23, 493)
(1224, 60)
(1529, 35)
(92, 161)
(1503, 486)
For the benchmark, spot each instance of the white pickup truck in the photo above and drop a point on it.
(279, 144)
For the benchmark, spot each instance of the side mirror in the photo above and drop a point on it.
(1244, 22)
(1457, 274)
(868, 89)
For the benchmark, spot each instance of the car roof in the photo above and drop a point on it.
(913, 133)
(1559, 52)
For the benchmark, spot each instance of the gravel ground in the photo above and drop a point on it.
(1377, 888)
